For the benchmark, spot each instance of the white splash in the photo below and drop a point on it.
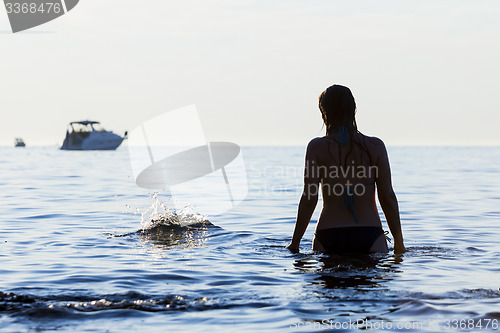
(160, 214)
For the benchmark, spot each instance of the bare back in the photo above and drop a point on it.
(347, 176)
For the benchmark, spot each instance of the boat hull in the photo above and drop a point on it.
(91, 141)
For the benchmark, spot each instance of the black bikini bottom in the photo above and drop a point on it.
(348, 239)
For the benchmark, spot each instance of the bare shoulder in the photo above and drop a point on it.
(374, 142)
(316, 144)
(375, 145)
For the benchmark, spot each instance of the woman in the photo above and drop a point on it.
(347, 165)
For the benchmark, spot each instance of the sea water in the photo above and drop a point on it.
(82, 248)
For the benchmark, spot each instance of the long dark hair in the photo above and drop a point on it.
(338, 110)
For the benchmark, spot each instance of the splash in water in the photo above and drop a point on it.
(159, 214)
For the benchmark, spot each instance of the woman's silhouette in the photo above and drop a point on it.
(347, 166)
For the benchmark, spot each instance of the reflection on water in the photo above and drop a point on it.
(360, 271)
(67, 306)
(167, 236)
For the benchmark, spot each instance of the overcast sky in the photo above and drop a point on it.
(423, 72)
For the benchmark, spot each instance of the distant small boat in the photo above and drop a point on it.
(18, 142)
(90, 135)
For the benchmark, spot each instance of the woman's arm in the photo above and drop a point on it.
(309, 198)
(388, 200)
(306, 209)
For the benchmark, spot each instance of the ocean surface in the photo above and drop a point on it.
(79, 251)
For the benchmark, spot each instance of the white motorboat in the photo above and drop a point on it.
(90, 135)
(18, 142)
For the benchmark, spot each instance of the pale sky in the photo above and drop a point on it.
(423, 72)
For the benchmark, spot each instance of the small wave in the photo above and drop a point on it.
(493, 315)
(478, 293)
(432, 251)
(461, 294)
(67, 306)
(33, 306)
